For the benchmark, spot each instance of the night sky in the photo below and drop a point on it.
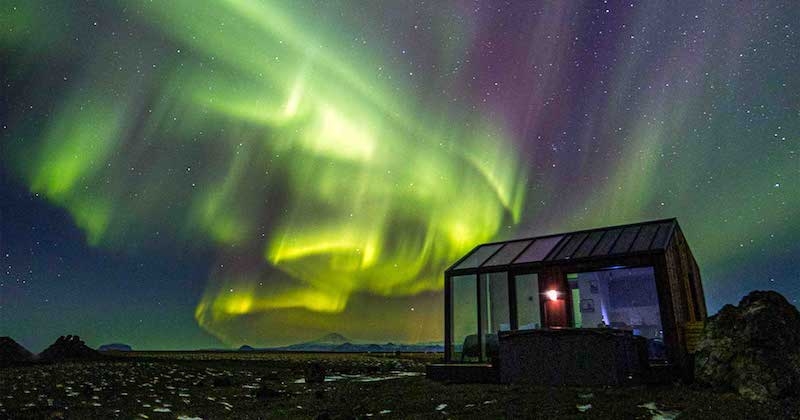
(186, 174)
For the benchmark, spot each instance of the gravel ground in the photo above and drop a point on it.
(212, 385)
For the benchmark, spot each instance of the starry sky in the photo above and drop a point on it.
(181, 175)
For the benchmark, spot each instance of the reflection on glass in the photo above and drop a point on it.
(569, 248)
(589, 244)
(464, 307)
(528, 309)
(607, 241)
(646, 235)
(508, 253)
(494, 307)
(478, 256)
(622, 298)
(539, 249)
(625, 239)
(662, 236)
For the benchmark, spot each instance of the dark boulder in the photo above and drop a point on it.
(222, 382)
(323, 416)
(266, 394)
(12, 353)
(314, 373)
(753, 348)
(68, 348)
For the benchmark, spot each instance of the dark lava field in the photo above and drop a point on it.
(241, 385)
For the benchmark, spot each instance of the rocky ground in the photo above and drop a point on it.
(259, 385)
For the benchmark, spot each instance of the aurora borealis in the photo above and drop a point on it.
(182, 174)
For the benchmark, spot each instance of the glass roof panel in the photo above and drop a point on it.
(569, 248)
(662, 236)
(538, 250)
(626, 239)
(642, 242)
(604, 247)
(589, 244)
(507, 254)
(478, 256)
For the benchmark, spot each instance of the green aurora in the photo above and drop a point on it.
(334, 158)
(262, 141)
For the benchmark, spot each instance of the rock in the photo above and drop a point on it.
(12, 353)
(753, 348)
(69, 347)
(87, 390)
(246, 348)
(266, 394)
(314, 373)
(323, 416)
(222, 382)
(115, 347)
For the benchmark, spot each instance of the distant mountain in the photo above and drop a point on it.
(115, 347)
(332, 338)
(246, 348)
(11, 352)
(335, 342)
(68, 348)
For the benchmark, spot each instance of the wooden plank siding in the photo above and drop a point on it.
(688, 301)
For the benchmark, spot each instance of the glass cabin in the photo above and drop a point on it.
(640, 278)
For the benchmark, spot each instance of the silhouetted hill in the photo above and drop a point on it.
(12, 352)
(67, 348)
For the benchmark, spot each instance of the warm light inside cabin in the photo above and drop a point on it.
(552, 294)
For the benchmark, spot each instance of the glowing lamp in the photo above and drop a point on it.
(552, 294)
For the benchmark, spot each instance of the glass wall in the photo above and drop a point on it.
(495, 314)
(529, 314)
(464, 320)
(624, 298)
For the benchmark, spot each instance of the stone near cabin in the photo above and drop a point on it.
(753, 348)
(266, 394)
(314, 373)
(87, 390)
(67, 348)
(12, 352)
(222, 382)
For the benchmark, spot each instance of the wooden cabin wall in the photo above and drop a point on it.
(698, 284)
(687, 296)
(681, 268)
(690, 276)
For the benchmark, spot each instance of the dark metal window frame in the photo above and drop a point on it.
(565, 269)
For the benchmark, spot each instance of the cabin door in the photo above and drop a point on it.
(555, 302)
(555, 313)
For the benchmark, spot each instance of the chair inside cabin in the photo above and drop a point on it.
(472, 349)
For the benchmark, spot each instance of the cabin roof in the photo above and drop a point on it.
(649, 236)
